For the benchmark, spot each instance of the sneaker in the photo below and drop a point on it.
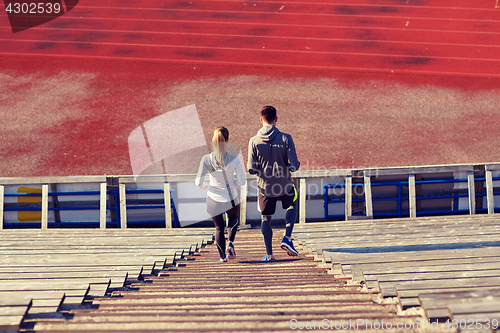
(223, 259)
(266, 258)
(287, 245)
(231, 254)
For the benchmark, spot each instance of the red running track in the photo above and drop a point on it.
(359, 83)
(415, 36)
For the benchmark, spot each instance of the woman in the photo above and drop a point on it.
(222, 195)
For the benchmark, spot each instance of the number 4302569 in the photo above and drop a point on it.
(33, 8)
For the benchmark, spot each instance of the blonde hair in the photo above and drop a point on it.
(221, 135)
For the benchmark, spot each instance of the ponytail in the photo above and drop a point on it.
(221, 135)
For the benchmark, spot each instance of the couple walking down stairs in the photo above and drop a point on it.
(245, 294)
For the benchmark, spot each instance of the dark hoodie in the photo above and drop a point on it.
(271, 156)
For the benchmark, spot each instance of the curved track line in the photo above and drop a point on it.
(251, 64)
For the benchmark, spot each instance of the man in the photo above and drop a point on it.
(271, 156)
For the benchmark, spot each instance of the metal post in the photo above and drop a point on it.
(412, 201)
(243, 206)
(472, 193)
(123, 206)
(45, 206)
(489, 192)
(348, 197)
(168, 208)
(368, 196)
(103, 201)
(302, 200)
(2, 191)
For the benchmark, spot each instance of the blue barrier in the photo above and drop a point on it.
(327, 201)
(402, 198)
(115, 207)
(175, 220)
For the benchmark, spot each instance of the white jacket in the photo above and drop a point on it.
(217, 189)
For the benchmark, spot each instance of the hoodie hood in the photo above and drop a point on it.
(268, 133)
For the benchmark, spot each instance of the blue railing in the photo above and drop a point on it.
(328, 201)
(402, 196)
(115, 208)
(175, 220)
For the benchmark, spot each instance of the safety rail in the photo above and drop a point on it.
(419, 190)
(116, 208)
(146, 204)
(401, 197)
(109, 201)
(338, 198)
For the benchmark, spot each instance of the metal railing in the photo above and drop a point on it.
(411, 195)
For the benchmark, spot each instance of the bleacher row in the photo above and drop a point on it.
(449, 266)
(43, 271)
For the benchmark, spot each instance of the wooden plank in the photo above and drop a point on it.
(168, 207)
(373, 227)
(397, 222)
(102, 206)
(113, 237)
(381, 234)
(45, 206)
(348, 197)
(373, 258)
(123, 206)
(157, 178)
(452, 267)
(51, 180)
(74, 299)
(490, 321)
(104, 233)
(472, 308)
(472, 193)
(47, 302)
(440, 315)
(80, 285)
(384, 235)
(2, 192)
(133, 271)
(22, 298)
(34, 310)
(409, 302)
(111, 251)
(85, 258)
(384, 238)
(10, 323)
(368, 196)
(13, 310)
(409, 265)
(11, 276)
(407, 244)
(102, 247)
(418, 170)
(145, 243)
(412, 196)
(330, 173)
(449, 291)
(492, 166)
(489, 192)
(441, 301)
(443, 283)
(14, 299)
(302, 200)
